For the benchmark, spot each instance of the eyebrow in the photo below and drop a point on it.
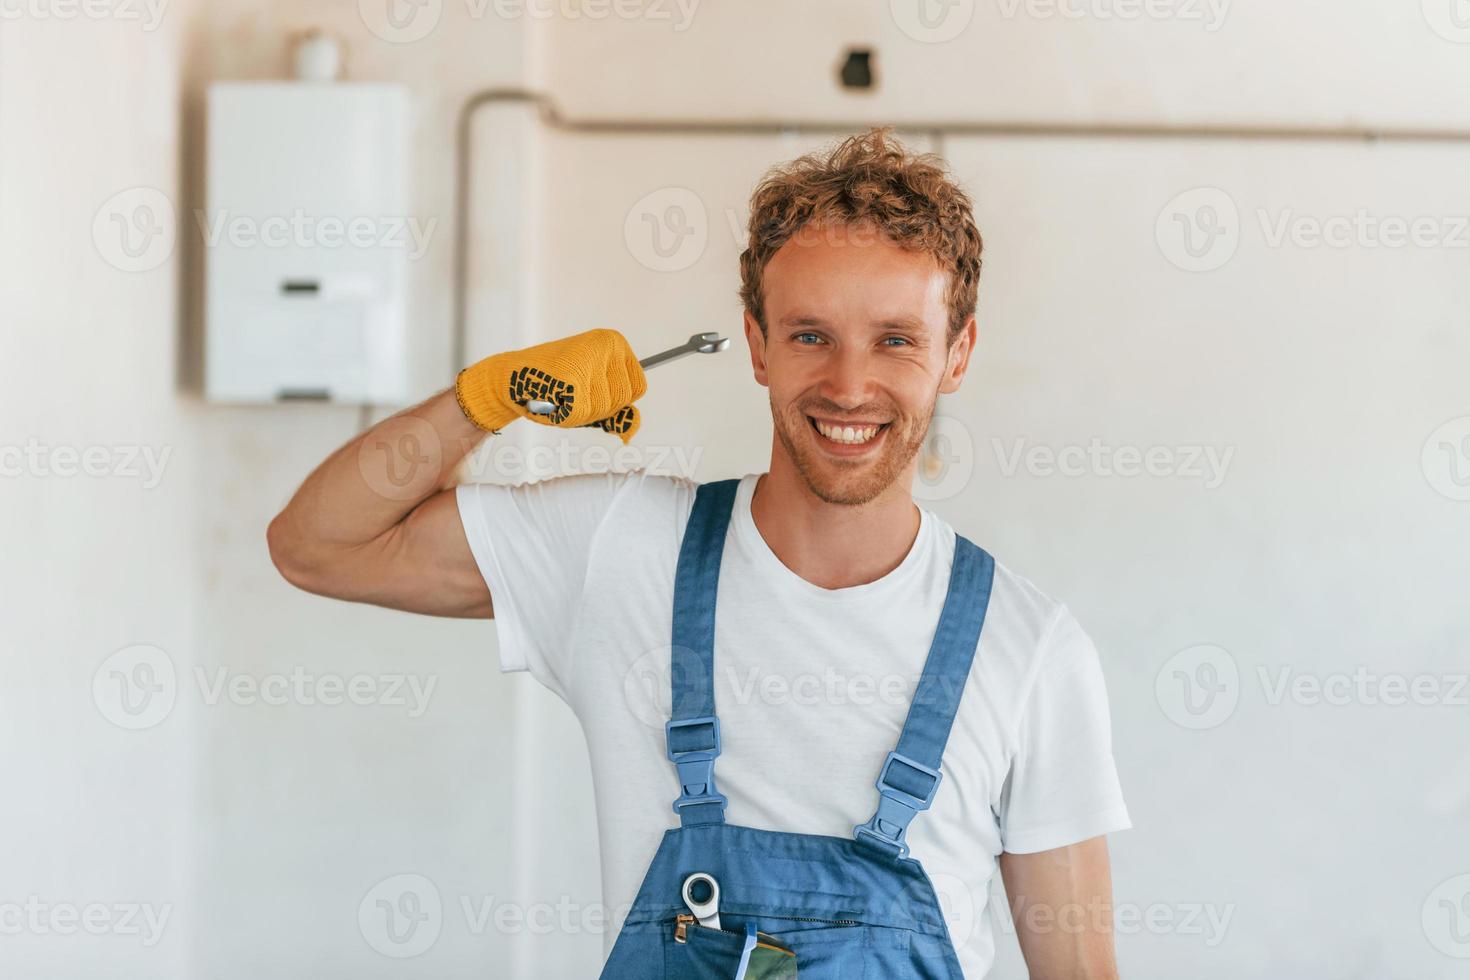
(893, 323)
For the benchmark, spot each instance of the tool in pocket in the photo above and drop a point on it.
(762, 957)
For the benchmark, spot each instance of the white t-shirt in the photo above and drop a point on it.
(812, 685)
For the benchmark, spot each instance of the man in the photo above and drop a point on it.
(859, 286)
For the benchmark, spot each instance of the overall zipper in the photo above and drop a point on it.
(683, 920)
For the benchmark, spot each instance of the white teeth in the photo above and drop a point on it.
(849, 434)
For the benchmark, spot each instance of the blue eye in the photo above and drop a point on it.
(807, 333)
(900, 339)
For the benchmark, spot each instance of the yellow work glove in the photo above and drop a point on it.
(593, 378)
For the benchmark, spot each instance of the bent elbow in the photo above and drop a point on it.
(287, 554)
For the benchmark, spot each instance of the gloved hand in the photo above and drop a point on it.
(592, 377)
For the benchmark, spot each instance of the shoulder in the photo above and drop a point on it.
(1028, 631)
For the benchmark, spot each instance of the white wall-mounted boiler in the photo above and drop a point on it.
(307, 239)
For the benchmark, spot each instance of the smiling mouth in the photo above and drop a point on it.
(847, 434)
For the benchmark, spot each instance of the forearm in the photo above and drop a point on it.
(1062, 906)
(365, 489)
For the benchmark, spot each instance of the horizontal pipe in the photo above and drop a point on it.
(553, 117)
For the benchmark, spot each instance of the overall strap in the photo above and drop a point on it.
(910, 774)
(692, 734)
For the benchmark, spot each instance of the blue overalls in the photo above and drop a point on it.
(849, 908)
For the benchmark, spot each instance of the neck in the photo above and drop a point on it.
(833, 546)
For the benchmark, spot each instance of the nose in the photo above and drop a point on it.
(848, 379)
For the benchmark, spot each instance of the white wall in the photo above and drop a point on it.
(1312, 543)
(1322, 830)
(96, 818)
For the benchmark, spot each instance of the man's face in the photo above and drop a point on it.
(855, 337)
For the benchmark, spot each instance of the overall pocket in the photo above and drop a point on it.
(696, 952)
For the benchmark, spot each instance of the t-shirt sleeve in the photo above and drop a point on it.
(532, 543)
(1063, 785)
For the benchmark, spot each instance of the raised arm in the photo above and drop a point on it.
(1062, 904)
(377, 521)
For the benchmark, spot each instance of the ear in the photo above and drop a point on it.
(757, 342)
(959, 357)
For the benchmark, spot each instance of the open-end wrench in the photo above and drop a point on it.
(700, 343)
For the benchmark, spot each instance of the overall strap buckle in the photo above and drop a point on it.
(695, 761)
(913, 790)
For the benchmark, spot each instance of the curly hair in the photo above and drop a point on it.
(869, 179)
